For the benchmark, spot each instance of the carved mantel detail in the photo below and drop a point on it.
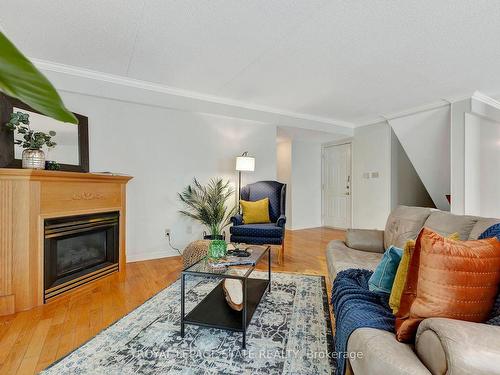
(87, 196)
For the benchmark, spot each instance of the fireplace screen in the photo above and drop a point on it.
(79, 249)
(83, 251)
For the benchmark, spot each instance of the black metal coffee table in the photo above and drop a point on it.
(213, 311)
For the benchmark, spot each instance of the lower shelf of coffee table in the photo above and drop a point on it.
(213, 311)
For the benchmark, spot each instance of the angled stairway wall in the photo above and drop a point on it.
(449, 148)
(406, 186)
(425, 137)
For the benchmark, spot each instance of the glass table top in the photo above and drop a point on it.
(209, 267)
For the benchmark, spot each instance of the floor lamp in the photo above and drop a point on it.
(244, 163)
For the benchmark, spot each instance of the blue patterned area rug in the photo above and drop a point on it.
(290, 333)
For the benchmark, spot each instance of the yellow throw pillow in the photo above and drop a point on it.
(454, 236)
(255, 212)
(400, 278)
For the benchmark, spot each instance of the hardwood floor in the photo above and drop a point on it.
(32, 340)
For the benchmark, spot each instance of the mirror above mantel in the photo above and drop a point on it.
(71, 151)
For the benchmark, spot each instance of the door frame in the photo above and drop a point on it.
(345, 141)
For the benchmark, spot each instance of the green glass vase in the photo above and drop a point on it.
(217, 249)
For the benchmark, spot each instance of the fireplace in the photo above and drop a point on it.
(79, 249)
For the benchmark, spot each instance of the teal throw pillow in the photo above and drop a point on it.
(383, 277)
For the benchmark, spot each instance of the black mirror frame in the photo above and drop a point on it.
(7, 158)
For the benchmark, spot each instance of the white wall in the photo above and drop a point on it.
(306, 185)
(299, 166)
(474, 151)
(425, 136)
(371, 196)
(164, 149)
(457, 155)
(284, 174)
(481, 164)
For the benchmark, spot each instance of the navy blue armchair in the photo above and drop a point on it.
(267, 233)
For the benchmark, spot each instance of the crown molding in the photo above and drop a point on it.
(477, 95)
(386, 117)
(418, 109)
(443, 102)
(163, 89)
(458, 98)
(300, 118)
(369, 121)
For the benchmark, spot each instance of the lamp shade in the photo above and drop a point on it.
(245, 163)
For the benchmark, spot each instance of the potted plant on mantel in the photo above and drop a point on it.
(208, 205)
(32, 142)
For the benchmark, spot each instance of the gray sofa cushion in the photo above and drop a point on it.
(403, 224)
(382, 354)
(470, 348)
(481, 225)
(365, 239)
(340, 257)
(445, 224)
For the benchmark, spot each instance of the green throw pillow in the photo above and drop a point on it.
(383, 277)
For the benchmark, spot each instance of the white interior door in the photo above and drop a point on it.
(337, 186)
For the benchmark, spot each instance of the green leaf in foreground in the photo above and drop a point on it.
(20, 79)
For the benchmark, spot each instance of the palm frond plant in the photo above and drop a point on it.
(207, 204)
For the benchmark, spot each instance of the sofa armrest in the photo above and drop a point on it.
(281, 221)
(457, 347)
(237, 219)
(366, 240)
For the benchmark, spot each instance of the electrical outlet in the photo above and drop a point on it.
(167, 232)
(189, 229)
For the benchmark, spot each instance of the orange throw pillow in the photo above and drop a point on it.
(448, 279)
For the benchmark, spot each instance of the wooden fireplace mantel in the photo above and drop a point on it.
(27, 198)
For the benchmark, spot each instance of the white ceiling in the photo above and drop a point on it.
(343, 60)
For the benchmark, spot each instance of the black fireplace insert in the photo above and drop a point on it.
(79, 249)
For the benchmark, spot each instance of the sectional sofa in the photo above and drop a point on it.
(442, 346)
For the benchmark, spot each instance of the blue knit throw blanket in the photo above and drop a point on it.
(355, 306)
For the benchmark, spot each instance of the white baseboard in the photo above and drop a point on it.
(305, 227)
(136, 257)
